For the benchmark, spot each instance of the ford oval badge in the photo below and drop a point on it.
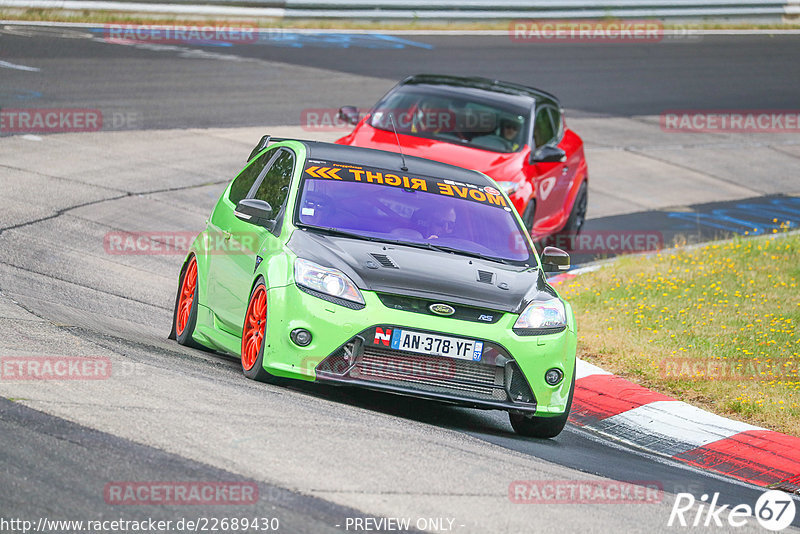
(442, 309)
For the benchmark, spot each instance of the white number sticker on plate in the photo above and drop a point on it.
(450, 347)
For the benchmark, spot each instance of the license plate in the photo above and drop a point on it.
(449, 347)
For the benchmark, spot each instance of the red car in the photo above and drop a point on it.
(514, 134)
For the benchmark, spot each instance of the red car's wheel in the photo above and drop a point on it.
(528, 214)
(185, 316)
(254, 335)
(577, 216)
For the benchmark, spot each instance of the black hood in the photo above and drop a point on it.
(411, 271)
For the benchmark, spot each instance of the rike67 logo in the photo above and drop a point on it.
(774, 510)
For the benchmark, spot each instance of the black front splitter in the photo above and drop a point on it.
(448, 398)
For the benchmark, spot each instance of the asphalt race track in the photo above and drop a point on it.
(180, 120)
(254, 84)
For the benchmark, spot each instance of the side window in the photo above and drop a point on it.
(244, 182)
(558, 124)
(543, 131)
(274, 188)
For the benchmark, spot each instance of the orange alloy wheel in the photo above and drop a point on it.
(254, 325)
(187, 296)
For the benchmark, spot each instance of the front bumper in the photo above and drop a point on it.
(510, 375)
(493, 382)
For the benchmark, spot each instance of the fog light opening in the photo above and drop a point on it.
(300, 336)
(553, 376)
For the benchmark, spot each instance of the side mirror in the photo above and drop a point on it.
(259, 147)
(255, 211)
(349, 114)
(548, 154)
(554, 260)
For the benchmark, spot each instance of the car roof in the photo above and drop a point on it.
(506, 92)
(382, 159)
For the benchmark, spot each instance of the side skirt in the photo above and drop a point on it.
(207, 334)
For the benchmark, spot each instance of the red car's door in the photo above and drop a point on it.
(551, 181)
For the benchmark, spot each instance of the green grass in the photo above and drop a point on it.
(715, 325)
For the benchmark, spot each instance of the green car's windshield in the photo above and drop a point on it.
(396, 207)
(460, 120)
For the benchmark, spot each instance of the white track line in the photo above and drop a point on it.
(7, 65)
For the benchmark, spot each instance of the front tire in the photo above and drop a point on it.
(542, 427)
(254, 333)
(577, 216)
(528, 215)
(184, 318)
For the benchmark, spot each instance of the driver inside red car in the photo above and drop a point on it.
(505, 138)
(431, 116)
(509, 131)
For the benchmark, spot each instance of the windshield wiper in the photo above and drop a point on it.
(335, 231)
(452, 250)
(427, 246)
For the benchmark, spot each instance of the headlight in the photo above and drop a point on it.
(544, 314)
(325, 280)
(509, 187)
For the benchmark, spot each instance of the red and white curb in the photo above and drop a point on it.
(627, 412)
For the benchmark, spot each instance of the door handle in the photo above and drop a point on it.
(227, 235)
(564, 170)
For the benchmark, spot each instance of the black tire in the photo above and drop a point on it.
(542, 427)
(257, 371)
(577, 216)
(185, 336)
(528, 214)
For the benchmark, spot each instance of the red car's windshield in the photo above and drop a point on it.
(475, 123)
(397, 207)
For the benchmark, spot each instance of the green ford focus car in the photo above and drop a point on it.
(360, 267)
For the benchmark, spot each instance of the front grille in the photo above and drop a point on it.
(370, 359)
(340, 361)
(431, 373)
(418, 305)
(518, 388)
